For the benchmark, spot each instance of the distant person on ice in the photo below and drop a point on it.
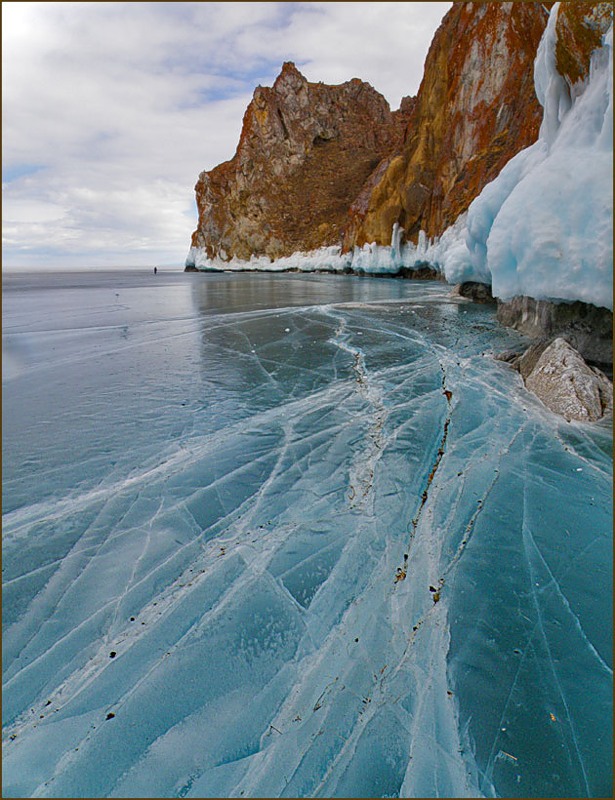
(155, 270)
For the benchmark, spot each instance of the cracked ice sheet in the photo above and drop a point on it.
(216, 477)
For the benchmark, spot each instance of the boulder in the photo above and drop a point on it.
(567, 385)
(473, 290)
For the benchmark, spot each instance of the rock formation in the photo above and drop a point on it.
(583, 268)
(305, 151)
(472, 290)
(543, 228)
(586, 327)
(321, 165)
(556, 372)
(562, 380)
(475, 109)
(332, 166)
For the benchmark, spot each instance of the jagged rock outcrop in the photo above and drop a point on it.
(305, 151)
(476, 108)
(309, 152)
(562, 380)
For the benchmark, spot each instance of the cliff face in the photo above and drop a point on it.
(475, 109)
(305, 151)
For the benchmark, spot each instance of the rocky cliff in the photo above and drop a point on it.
(543, 230)
(331, 166)
(320, 165)
(475, 109)
(305, 151)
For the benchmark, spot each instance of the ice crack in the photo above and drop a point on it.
(361, 477)
(440, 453)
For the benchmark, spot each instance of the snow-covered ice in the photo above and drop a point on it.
(287, 535)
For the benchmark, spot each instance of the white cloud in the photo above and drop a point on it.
(111, 110)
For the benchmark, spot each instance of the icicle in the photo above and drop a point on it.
(396, 242)
(551, 89)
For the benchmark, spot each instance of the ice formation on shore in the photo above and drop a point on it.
(371, 258)
(543, 228)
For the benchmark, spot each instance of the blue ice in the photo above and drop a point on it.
(288, 536)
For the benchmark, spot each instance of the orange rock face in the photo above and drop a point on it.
(580, 27)
(305, 151)
(475, 109)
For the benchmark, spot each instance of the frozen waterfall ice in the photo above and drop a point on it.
(289, 536)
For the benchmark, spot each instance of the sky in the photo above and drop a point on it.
(111, 110)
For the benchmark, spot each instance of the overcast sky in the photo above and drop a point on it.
(111, 110)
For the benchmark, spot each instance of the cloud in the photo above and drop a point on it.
(111, 110)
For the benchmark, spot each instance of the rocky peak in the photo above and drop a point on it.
(305, 149)
(325, 165)
(407, 105)
(289, 78)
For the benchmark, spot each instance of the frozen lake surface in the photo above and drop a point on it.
(289, 536)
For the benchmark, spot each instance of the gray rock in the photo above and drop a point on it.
(587, 327)
(562, 380)
(528, 360)
(524, 361)
(478, 292)
(509, 357)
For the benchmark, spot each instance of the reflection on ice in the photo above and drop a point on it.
(223, 491)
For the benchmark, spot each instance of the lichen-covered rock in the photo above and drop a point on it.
(475, 109)
(580, 27)
(568, 386)
(305, 151)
